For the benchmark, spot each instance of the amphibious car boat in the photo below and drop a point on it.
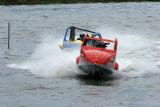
(98, 56)
(74, 37)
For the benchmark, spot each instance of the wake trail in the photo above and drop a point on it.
(49, 60)
(136, 56)
(135, 53)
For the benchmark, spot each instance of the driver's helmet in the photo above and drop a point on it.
(81, 36)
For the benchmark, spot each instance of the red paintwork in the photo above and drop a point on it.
(116, 66)
(115, 44)
(99, 56)
(77, 60)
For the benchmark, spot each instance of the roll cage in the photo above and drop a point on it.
(72, 31)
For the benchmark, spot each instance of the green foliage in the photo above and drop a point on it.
(14, 2)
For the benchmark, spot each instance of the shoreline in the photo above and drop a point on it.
(41, 2)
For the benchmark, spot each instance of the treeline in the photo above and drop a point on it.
(15, 2)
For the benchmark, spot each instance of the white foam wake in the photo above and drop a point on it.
(49, 60)
(135, 56)
(135, 53)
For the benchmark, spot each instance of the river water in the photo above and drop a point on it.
(36, 73)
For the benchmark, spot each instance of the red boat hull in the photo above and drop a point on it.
(97, 61)
(95, 69)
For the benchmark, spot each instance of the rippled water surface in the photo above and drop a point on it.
(36, 73)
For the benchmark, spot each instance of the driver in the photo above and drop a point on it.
(81, 37)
